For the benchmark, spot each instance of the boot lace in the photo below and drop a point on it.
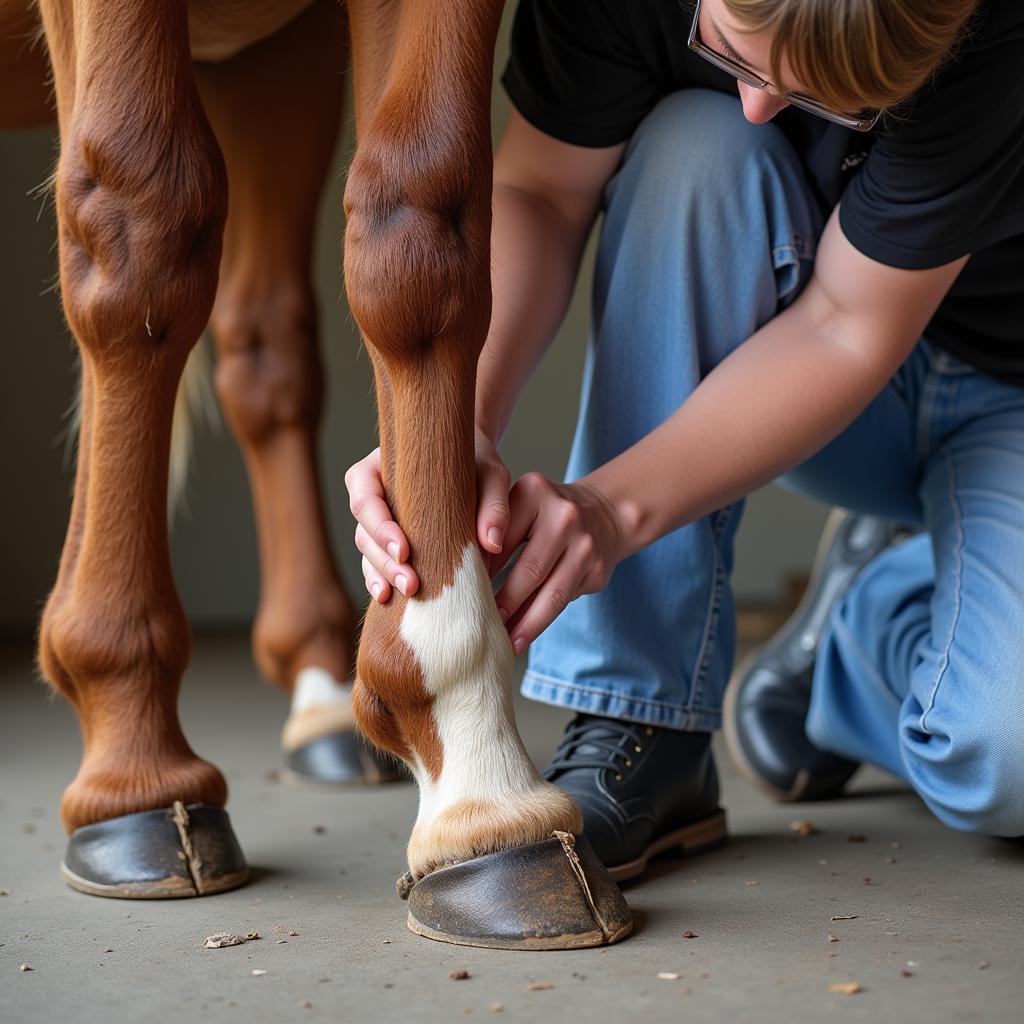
(609, 744)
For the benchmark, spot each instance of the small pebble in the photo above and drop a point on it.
(667, 976)
(832, 938)
(497, 1007)
(983, 966)
(689, 935)
(306, 1004)
(257, 973)
(25, 967)
(539, 986)
(459, 975)
(906, 974)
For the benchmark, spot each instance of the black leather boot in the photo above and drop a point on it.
(768, 697)
(643, 790)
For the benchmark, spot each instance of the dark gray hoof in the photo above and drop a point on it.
(554, 894)
(341, 758)
(156, 855)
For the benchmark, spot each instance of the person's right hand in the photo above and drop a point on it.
(380, 540)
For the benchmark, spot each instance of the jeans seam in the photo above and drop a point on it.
(943, 665)
(924, 413)
(719, 520)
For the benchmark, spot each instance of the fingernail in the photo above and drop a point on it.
(518, 644)
(394, 550)
(494, 537)
(503, 612)
(375, 590)
(402, 582)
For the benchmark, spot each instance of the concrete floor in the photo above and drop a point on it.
(936, 930)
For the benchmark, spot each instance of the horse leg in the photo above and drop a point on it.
(269, 377)
(434, 671)
(25, 100)
(141, 198)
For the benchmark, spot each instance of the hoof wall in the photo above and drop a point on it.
(341, 758)
(164, 854)
(554, 894)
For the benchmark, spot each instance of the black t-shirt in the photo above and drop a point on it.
(943, 180)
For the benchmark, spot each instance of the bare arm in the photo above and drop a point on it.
(782, 395)
(546, 198)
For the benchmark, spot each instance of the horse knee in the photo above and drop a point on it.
(140, 215)
(268, 374)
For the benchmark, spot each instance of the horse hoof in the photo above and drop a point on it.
(156, 855)
(554, 894)
(340, 758)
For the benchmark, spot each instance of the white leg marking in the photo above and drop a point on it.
(320, 706)
(464, 654)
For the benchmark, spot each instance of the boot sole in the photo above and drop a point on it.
(697, 838)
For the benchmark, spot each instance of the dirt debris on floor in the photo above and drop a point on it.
(222, 939)
(846, 988)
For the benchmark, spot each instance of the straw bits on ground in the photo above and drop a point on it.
(845, 988)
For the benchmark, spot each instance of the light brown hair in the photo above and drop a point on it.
(857, 54)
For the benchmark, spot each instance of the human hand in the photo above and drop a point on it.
(573, 540)
(380, 540)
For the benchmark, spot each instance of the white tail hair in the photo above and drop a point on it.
(195, 403)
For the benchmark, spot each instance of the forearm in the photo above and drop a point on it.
(778, 398)
(536, 257)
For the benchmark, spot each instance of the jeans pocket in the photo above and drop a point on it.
(793, 262)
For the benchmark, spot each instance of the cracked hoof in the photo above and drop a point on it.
(554, 894)
(340, 759)
(164, 854)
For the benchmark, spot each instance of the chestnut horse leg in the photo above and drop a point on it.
(434, 671)
(141, 200)
(269, 376)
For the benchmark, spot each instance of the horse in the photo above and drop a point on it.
(154, 104)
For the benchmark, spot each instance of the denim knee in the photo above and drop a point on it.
(701, 174)
(970, 775)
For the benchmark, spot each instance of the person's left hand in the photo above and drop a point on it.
(572, 539)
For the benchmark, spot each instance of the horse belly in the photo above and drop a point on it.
(218, 29)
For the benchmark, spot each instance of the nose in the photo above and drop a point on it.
(760, 105)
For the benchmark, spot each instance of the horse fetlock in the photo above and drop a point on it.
(95, 647)
(312, 625)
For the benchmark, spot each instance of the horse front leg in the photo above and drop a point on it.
(141, 199)
(434, 671)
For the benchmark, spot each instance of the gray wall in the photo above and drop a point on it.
(213, 541)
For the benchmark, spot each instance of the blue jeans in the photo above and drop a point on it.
(710, 229)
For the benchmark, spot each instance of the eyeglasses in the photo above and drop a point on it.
(861, 122)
